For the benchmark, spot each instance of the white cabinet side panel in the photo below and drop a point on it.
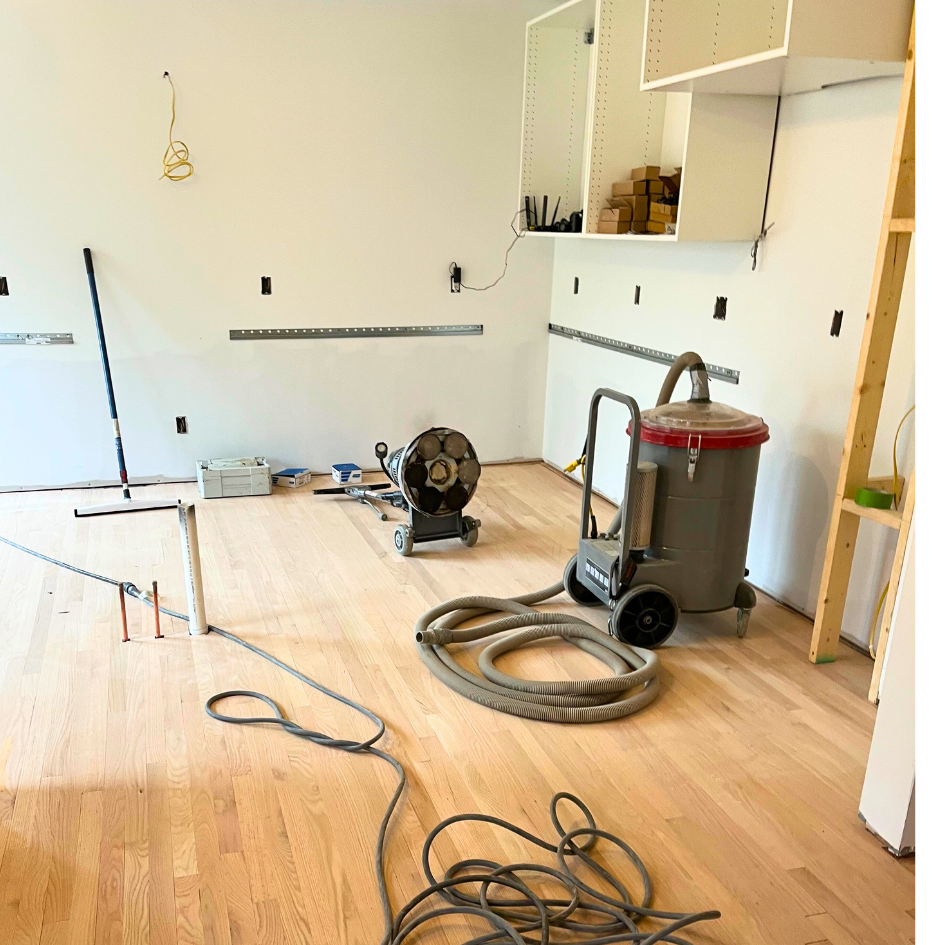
(679, 37)
(725, 173)
(675, 130)
(628, 123)
(747, 27)
(554, 114)
(683, 35)
(876, 30)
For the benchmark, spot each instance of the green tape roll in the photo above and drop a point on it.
(874, 498)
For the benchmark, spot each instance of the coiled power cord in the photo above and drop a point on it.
(589, 916)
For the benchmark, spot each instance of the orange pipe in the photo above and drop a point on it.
(124, 615)
(157, 613)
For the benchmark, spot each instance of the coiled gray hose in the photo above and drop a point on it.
(584, 700)
(509, 917)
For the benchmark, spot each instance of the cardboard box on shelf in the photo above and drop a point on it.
(664, 212)
(628, 188)
(617, 213)
(654, 226)
(638, 226)
(640, 206)
(613, 226)
(670, 184)
(618, 201)
(654, 188)
(649, 172)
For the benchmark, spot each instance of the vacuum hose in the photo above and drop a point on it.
(700, 392)
(690, 360)
(584, 700)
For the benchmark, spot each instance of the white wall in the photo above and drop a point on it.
(349, 149)
(828, 186)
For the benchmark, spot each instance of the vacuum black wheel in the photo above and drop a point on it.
(403, 540)
(576, 590)
(470, 531)
(645, 616)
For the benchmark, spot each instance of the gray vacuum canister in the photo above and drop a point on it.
(707, 457)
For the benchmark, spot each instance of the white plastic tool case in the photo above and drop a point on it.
(221, 478)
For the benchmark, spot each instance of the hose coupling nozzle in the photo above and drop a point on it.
(434, 637)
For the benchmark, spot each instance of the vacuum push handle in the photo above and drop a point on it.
(630, 480)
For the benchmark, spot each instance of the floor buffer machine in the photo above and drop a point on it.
(680, 539)
(435, 476)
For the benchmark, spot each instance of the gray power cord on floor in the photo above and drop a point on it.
(531, 913)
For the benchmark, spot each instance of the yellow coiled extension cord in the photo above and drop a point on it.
(177, 164)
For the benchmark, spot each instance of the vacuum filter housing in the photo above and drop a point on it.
(437, 472)
(642, 521)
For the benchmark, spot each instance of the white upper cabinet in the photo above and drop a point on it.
(557, 86)
(587, 124)
(771, 47)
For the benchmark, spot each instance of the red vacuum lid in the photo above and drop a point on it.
(716, 426)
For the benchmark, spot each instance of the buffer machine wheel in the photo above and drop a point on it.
(403, 540)
(469, 532)
(644, 616)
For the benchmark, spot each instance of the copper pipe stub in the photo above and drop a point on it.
(124, 614)
(157, 613)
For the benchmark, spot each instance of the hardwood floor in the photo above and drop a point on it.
(127, 815)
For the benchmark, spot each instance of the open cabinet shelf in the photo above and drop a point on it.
(772, 47)
(586, 124)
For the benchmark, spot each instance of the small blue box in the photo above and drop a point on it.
(346, 473)
(292, 478)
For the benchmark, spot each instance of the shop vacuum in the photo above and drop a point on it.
(680, 539)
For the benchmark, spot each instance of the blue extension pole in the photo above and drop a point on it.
(108, 372)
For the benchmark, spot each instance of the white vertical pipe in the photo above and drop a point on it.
(193, 579)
